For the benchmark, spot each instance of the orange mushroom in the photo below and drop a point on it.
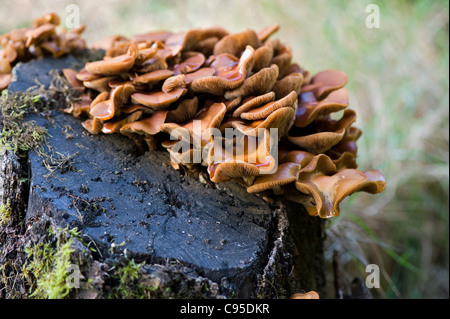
(116, 65)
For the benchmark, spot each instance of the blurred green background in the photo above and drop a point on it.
(399, 87)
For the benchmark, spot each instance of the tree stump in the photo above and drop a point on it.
(194, 238)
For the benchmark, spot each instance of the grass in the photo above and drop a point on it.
(398, 84)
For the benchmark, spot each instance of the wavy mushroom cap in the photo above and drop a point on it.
(249, 162)
(325, 82)
(259, 83)
(286, 173)
(329, 191)
(189, 65)
(229, 73)
(310, 108)
(237, 42)
(158, 100)
(106, 110)
(325, 134)
(116, 65)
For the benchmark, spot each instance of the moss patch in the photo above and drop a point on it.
(47, 267)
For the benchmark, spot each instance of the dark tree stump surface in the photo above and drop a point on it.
(155, 213)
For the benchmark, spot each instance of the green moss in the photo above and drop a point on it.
(47, 267)
(18, 135)
(128, 286)
(5, 213)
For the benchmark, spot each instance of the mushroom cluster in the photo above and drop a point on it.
(42, 39)
(151, 85)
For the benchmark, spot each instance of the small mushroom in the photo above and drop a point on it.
(229, 73)
(106, 110)
(282, 58)
(70, 75)
(291, 82)
(326, 82)
(257, 84)
(329, 191)
(280, 119)
(263, 56)
(286, 173)
(158, 100)
(325, 134)
(116, 65)
(223, 166)
(237, 42)
(189, 65)
(93, 126)
(252, 102)
(309, 108)
(265, 33)
(99, 84)
(149, 126)
(5, 79)
(265, 110)
(185, 111)
(152, 77)
(209, 116)
(307, 295)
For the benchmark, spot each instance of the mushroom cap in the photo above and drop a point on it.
(229, 73)
(156, 62)
(106, 110)
(299, 157)
(265, 33)
(329, 191)
(224, 166)
(93, 126)
(152, 77)
(49, 18)
(84, 75)
(100, 84)
(189, 65)
(237, 42)
(291, 82)
(282, 58)
(325, 82)
(116, 65)
(111, 127)
(158, 100)
(70, 75)
(173, 82)
(200, 73)
(149, 126)
(5, 79)
(278, 119)
(265, 110)
(252, 102)
(309, 108)
(308, 295)
(286, 173)
(263, 56)
(186, 110)
(325, 135)
(39, 33)
(209, 116)
(259, 83)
